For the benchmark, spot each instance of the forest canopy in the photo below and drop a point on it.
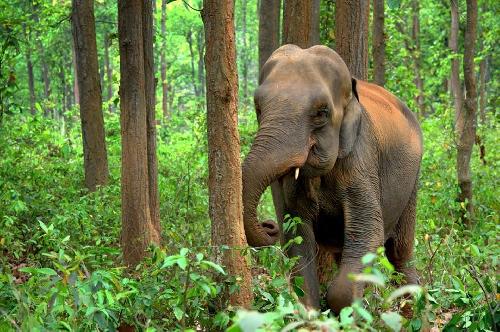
(124, 130)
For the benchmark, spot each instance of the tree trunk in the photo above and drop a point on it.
(200, 45)
(76, 90)
(94, 144)
(466, 122)
(150, 89)
(298, 22)
(46, 80)
(314, 31)
(138, 232)
(163, 60)
(109, 72)
(351, 35)
(483, 68)
(31, 80)
(224, 181)
(455, 85)
(378, 44)
(417, 59)
(189, 38)
(244, 51)
(269, 29)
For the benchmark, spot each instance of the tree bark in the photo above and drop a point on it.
(351, 35)
(109, 72)
(314, 31)
(200, 45)
(244, 51)
(31, 80)
(483, 68)
(298, 22)
(466, 122)
(269, 29)
(138, 231)
(455, 85)
(76, 90)
(224, 180)
(417, 59)
(163, 60)
(94, 144)
(378, 43)
(150, 89)
(189, 38)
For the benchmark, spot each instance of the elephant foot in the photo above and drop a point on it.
(342, 293)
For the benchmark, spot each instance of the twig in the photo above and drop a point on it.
(188, 5)
(476, 278)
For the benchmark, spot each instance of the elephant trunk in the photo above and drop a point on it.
(263, 166)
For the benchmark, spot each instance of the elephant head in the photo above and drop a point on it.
(308, 113)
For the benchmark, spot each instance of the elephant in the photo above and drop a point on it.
(340, 153)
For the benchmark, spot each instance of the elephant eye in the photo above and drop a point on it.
(322, 116)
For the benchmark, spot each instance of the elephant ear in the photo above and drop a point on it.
(349, 128)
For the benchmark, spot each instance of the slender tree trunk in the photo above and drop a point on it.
(483, 68)
(150, 89)
(417, 59)
(46, 80)
(351, 35)
(378, 43)
(163, 60)
(94, 144)
(466, 122)
(314, 31)
(138, 231)
(224, 180)
(298, 22)
(31, 80)
(201, 64)
(109, 72)
(455, 85)
(244, 51)
(269, 29)
(76, 89)
(189, 38)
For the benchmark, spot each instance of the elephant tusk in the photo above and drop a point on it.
(297, 173)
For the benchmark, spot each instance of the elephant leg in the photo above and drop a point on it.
(363, 233)
(306, 267)
(399, 248)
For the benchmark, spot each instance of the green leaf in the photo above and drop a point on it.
(368, 258)
(214, 266)
(369, 278)
(393, 320)
(362, 312)
(346, 316)
(43, 226)
(184, 251)
(44, 270)
(178, 313)
(182, 262)
(408, 289)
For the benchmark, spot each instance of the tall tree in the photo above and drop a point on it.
(244, 51)
(224, 166)
(31, 77)
(269, 29)
(108, 65)
(298, 22)
(466, 120)
(455, 85)
(138, 230)
(150, 92)
(94, 144)
(314, 31)
(163, 60)
(417, 58)
(378, 43)
(351, 35)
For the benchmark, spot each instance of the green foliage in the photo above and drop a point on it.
(60, 259)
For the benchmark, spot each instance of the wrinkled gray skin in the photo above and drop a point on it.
(358, 149)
